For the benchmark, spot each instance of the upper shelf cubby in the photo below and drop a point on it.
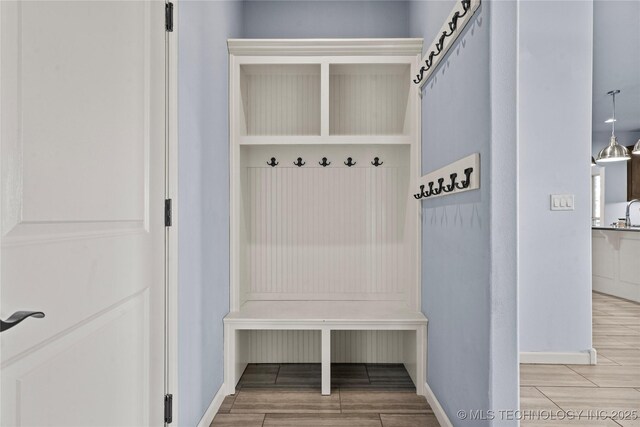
(280, 99)
(324, 91)
(368, 99)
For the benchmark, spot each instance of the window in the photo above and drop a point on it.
(597, 196)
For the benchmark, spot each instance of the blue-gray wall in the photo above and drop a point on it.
(554, 110)
(469, 243)
(331, 19)
(203, 174)
(469, 246)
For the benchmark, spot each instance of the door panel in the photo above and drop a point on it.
(83, 174)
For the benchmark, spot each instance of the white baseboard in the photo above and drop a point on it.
(588, 357)
(437, 408)
(213, 408)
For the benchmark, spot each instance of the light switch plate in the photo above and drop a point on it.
(562, 202)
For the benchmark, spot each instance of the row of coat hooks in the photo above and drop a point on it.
(453, 26)
(324, 162)
(445, 188)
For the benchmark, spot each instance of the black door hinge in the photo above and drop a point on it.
(168, 16)
(168, 408)
(167, 213)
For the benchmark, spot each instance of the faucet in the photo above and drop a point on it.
(627, 221)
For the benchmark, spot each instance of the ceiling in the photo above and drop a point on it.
(616, 63)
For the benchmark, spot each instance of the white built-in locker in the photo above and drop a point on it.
(325, 232)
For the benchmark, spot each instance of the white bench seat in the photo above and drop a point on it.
(324, 316)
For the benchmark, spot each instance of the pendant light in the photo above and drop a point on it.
(613, 152)
(636, 148)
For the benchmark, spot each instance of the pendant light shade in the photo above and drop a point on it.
(613, 152)
(593, 161)
(636, 148)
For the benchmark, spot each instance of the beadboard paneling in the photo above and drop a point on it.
(318, 233)
(295, 346)
(281, 99)
(368, 99)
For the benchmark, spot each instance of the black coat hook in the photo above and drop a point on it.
(349, 162)
(420, 195)
(299, 162)
(467, 179)
(450, 187)
(376, 162)
(324, 162)
(423, 193)
(438, 190)
(273, 162)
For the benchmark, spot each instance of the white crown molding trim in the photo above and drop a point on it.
(589, 357)
(213, 408)
(438, 411)
(287, 47)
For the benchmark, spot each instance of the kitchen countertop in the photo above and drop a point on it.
(636, 229)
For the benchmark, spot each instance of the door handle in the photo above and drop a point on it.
(18, 317)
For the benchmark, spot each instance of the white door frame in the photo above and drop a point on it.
(171, 236)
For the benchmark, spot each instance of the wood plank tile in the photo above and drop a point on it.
(629, 423)
(613, 330)
(610, 376)
(566, 423)
(349, 375)
(389, 375)
(383, 402)
(267, 401)
(259, 375)
(300, 375)
(600, 342)
(238, 420)
(531, 398)
(227, 403)
(621, 356)
(322, 420)
(551, 375)
(418, 420)
(616, 311)
(629, 341)
(629, 321)
(602, 360)
(605, 399)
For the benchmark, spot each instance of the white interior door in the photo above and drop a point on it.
(83, 184)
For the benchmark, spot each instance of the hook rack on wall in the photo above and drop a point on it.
(469, 166)
(458, 19)
(324, 162)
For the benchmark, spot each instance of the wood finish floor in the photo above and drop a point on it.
(612, 385)
(288, 395)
